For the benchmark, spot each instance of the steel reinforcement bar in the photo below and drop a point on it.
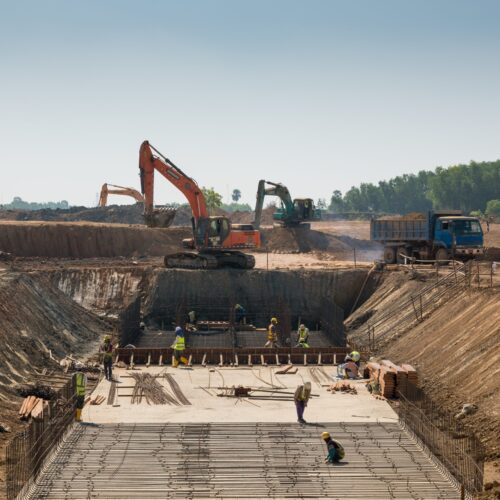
(235, 356)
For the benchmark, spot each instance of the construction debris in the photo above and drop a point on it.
(286, 369)
(37, 390)
(344, 387)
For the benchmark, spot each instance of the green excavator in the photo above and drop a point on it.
(291, 213)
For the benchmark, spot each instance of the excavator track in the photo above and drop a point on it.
(210, 260)
(191, 260)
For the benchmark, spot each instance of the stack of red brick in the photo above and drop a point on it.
(390, 377)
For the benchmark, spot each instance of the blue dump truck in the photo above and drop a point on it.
(428, 236)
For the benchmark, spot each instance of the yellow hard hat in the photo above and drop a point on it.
(325, 435)
(107, 338)
(274, 320)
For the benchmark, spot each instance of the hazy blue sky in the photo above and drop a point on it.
(320, 95)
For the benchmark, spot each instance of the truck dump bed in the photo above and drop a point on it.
(401, 229)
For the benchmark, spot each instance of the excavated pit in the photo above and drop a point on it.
(320, 299)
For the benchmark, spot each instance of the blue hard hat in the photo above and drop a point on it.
(178, 331)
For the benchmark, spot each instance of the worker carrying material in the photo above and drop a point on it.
(106, 351)
(80, 383)
(240, 314)
(302, 336)
(179, 346)
(301, 398)
(335, 449)
(272, 334)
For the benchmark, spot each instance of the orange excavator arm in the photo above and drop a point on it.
(150, 159)
(120, 190)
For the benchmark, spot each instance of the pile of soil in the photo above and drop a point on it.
(87, 240)
(248, 217)
(112, 214)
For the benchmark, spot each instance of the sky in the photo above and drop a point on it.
(318, 95)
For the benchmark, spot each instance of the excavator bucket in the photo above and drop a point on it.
(160, 217)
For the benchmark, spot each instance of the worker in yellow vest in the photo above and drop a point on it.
(80, 381)
(302, 336)
(272, 334)
(179, 346)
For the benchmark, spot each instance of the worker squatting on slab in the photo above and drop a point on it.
(106, 350)
(179, 346)
(301, 398)
(350, 367)
(335, 449)
(302, 336)
(272, 334)
(80, 383)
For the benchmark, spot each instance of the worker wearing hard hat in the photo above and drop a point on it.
(272, 334)
(179, 346)
(80, 383)
(301, 398)
(335, 449)
(355, 356)
(240, 314)
(302, 336)
(106, 351)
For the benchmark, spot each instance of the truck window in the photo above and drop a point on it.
(467, 227)
(445, 225)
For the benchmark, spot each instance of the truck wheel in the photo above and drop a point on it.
(389, 255)
(442, 254)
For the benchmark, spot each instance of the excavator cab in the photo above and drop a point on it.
(211, 232)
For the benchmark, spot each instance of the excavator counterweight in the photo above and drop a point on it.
(217, 242)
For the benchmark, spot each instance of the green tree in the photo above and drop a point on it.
(236, 195)
(321, 204)
(336, 202)
(493, 208)
(212, 198)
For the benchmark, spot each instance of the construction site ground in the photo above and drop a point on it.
(44, 317)
(229, 447)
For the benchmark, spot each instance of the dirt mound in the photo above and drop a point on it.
(248, 217)
(455, 348)
(302, 240)
(37, 323)
(86, 240)
(112, 214)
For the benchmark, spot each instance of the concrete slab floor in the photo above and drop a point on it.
(200, 384)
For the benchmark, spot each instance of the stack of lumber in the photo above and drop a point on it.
(33, 407)
(401, 375)
(411, 374)
(390, 377)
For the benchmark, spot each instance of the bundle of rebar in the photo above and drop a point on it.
(177, 390)
(148, 387)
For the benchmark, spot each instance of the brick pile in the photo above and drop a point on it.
(390, 377)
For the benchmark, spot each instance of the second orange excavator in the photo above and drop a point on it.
(218, 242)
(125, 191)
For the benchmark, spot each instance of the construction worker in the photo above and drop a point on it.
(302, 336)
(272, 334)
(106, 351)
(348, 369)
(355, 356)
(335, 449)
(192, 317)
(240, 315)
(80, 381)
(301, 398)
(178, 346)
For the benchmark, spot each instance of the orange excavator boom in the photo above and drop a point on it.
(150, 159)
(120, 190)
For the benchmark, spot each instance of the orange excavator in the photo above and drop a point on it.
(216, 241)
(125, 191)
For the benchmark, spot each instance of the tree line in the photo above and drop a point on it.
(461, 187)
(19, 204)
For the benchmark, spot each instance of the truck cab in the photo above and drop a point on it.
(458, 235)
